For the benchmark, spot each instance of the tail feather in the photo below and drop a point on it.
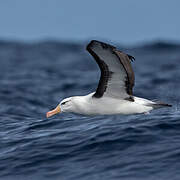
(156, 105)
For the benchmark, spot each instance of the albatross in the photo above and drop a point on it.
(114, 94)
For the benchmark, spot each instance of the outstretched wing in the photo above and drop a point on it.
(117, 76)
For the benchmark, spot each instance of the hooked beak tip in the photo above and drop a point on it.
(48, 114)
(53, 112)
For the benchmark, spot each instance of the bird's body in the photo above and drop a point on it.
(88, 105)
(114, 94)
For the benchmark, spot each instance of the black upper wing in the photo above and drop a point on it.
(117, 76)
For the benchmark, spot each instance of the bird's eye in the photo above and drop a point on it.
(64, 103)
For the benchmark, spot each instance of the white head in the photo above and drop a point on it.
(66, 105)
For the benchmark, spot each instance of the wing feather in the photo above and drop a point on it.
(117, 76)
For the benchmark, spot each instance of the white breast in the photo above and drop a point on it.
(106, 105)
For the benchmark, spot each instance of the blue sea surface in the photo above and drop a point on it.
(35, 77)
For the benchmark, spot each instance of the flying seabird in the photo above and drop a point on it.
(114, 94)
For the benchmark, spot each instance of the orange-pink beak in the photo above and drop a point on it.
(53, 112)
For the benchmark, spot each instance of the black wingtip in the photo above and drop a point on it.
(131, 57)
(96, 42)
(89, 45)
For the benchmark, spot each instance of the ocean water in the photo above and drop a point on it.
(35, 77)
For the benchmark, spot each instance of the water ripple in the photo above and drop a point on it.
(70, 146)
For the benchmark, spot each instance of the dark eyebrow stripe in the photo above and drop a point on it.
(65, 102)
